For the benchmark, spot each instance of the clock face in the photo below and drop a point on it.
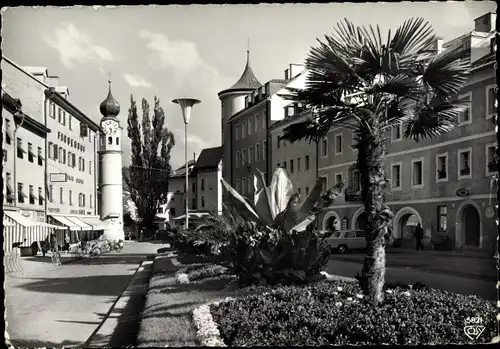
(110, 127)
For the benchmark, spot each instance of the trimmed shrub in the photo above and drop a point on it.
(335, 313)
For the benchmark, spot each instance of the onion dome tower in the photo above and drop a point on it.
(233, 101)
(110, 169)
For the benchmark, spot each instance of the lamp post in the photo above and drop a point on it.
(186, 105)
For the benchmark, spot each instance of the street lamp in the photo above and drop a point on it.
(186, 105)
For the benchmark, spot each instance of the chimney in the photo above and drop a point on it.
(194, 157)
(286, 74)
(438, 45)
(485, 23)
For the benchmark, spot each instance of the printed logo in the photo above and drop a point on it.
(473, 327)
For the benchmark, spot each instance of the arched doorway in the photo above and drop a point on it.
(471, 226)
(331, 220)
(361, 222)
(405, 222)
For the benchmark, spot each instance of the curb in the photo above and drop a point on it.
(105, 331)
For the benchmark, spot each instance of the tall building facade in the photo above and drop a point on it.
(67, 154)
(208, 171)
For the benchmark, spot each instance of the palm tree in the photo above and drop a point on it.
(357, 81)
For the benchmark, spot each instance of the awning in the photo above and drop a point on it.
(32, 153)
(96, 223)
(20, 219)
(47, 225)
(20, 148)
(77, 221)
(33, 195)
(22, 194)
(6, 223)
(67, 223)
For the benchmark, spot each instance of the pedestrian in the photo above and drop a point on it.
(419, 236)
(66, 242)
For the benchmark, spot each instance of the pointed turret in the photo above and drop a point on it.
(109, 107)
(247, 80)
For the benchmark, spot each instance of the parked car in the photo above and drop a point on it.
(347, 240)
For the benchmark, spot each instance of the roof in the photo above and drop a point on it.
(486, 59)
(209, 158)
(14, 105)
(280, 81)
(247, 80)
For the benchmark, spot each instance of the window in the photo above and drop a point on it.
(32, 195)
(172, 211)
(244, 157)
(298, 164)
(110, 140)
(278, 141)
(237, 131)
(491, 164)
(306, 190)
(250, 154)
(64, 118)
(90, 167)
(465, 117)
(307, 162)
(243, 129)
(491, 97)
(284, 165)
(250, 185)
(71, 197)
(441, 167)
(10, 192)
(338, 178)
(61, 195)
(291, 166)
(8, 134)
(55, 152)
(238, 186)
(52, 110)
(202, 184)
(51, 193)
(397, 132)
(20, 150)
(91, 202)
(324, 184)
(243, 185)
(40, 156)
(396, 176)
(257, 152)
(299, 191)
(20, 194)
(355, 181)
(442, 218)
(70, 158)
(237, 160)
(264, 150)
(193, 187)
(464, 163)
(59, 115)
(250, 126)
(117, 140)
(324, 148)
(31, 154)
(40, 196)
(70, 122)
(338, 144)
(257, 122)
(354, 141)
(202, 201)
(278, 165)
(417, 176)
(4, 153)
(83, 200)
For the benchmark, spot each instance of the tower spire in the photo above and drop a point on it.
(248, 51)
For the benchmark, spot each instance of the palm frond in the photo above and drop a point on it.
(400, 85)
(446, 73)
(412, 37)
(432, 120)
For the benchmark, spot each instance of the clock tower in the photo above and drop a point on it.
(110, 169)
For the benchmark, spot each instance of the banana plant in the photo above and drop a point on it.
(276, 205)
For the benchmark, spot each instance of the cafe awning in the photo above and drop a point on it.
(66, 223)
(16, 217)
(6, 223)
(95, 223)
(78, 222)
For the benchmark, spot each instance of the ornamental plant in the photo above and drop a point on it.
(277, 242)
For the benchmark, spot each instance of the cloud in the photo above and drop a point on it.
(76, 46)
(135, 80)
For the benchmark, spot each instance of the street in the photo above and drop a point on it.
(350, 264)
(49, 307)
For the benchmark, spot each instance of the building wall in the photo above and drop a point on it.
(18, 169)
(176, 186)
(82, 175)
(209, 191)
(302, 177)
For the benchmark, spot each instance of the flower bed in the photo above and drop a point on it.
(335, 313)
(201, 272)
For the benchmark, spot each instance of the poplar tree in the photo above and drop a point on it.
(148, 174)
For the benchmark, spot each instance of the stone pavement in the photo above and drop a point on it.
(54, 307)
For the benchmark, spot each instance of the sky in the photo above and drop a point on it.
(192, 51)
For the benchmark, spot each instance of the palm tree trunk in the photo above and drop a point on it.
(371, 154)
